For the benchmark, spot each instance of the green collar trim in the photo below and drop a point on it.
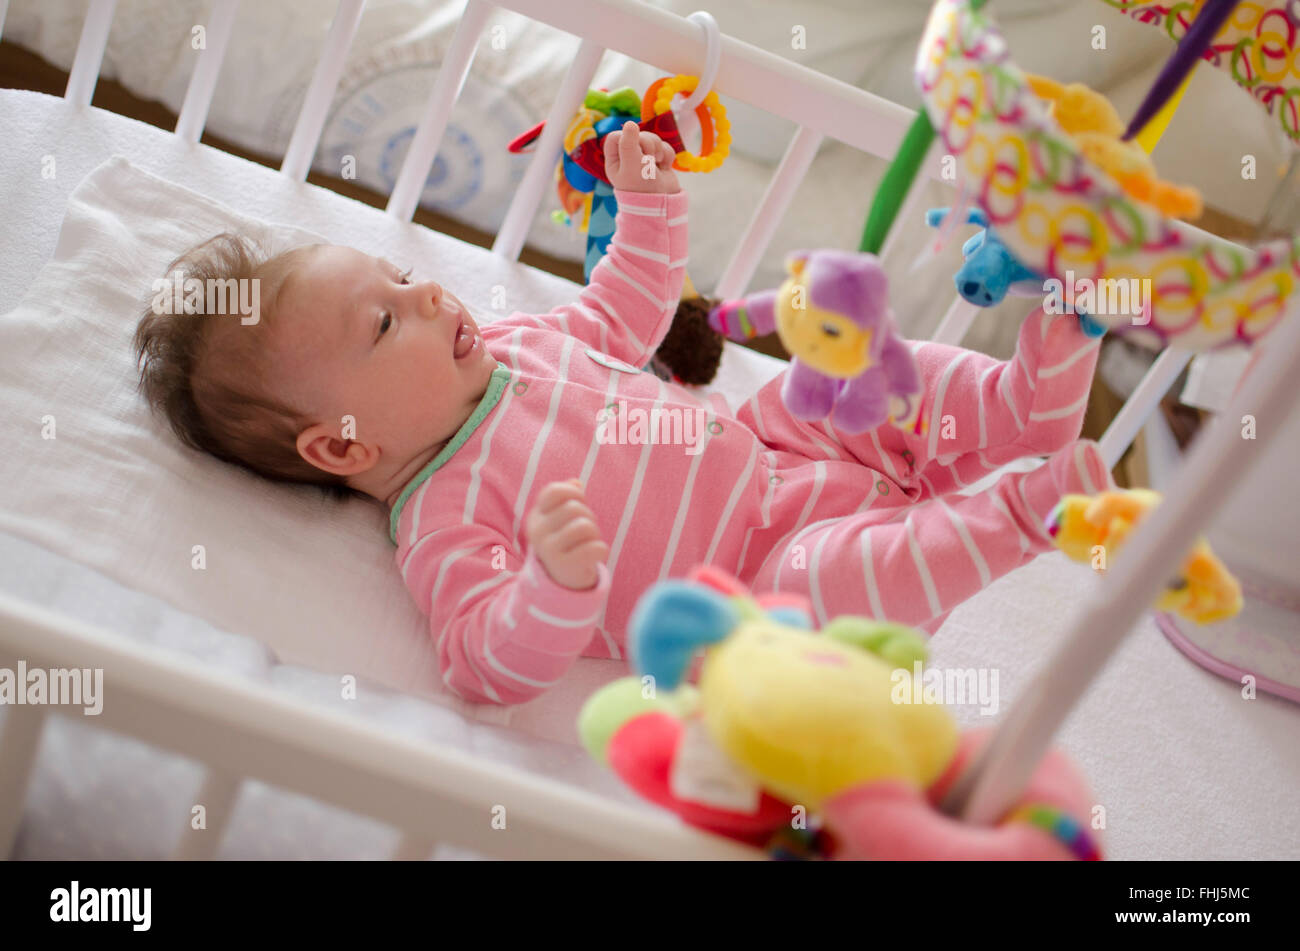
(496, 386)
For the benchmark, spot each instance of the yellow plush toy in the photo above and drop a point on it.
(1090, 119)
(845, 725)
(1204, 591)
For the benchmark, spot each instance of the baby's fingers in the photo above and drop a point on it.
(592, 553)
(664, 155)
(574, 535)
(555, 494)
(629, 145)
(589, 553)
(649, 143)
(612, 160)
(549, 524)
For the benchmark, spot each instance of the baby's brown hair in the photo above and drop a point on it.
(209, 374)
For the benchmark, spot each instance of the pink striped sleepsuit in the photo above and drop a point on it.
(866, 524)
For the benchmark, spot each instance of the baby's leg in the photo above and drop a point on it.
(981, 412)
(923, 560)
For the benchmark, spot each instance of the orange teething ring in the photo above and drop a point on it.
(715, 130)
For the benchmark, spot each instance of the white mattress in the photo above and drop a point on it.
(1184, 767)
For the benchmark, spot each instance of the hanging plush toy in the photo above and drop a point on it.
(788, 723)
(580, 177)
(1204, 590)
(1089, 118)
(691, 352)
(832, 314)
(991, 271)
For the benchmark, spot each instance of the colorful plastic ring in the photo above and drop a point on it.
(715, 129)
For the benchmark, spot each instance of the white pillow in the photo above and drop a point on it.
(311, 578)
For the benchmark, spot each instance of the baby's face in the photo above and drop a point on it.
(356, 337)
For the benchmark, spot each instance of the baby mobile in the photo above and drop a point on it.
(1067, 189)
(673, 108)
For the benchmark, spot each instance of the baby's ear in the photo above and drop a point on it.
(328, 451)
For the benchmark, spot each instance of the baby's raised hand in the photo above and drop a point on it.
(637, 161)
(562, 529)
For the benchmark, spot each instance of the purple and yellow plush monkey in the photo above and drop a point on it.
(848, 360)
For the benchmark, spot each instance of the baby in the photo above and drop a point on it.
(525, 535)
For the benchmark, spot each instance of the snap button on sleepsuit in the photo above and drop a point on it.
(606, 360)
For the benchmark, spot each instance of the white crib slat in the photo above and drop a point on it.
(90, 52)
(762, 227)
(18, 744)
(1160, 447)
(546, 152)
(324, 83)
(217, 796)
(1213, 468)
(198, 95)
(246, 729)
(961, 314)
(1123, 429)
(437, 111)
(908, 216)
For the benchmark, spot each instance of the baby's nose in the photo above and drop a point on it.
(434, 292)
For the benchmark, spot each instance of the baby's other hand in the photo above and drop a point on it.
(637, 161)
(562, 529)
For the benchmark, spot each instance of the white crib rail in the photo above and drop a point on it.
(244, 730)
(241, 730)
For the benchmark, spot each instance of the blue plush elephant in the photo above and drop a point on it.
(991, 271)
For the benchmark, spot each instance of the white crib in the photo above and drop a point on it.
(243, 731)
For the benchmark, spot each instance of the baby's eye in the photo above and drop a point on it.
(385, 324)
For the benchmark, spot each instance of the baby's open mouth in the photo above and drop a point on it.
(465, 341)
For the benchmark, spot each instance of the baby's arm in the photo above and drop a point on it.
(628, 307)
(509, 626)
